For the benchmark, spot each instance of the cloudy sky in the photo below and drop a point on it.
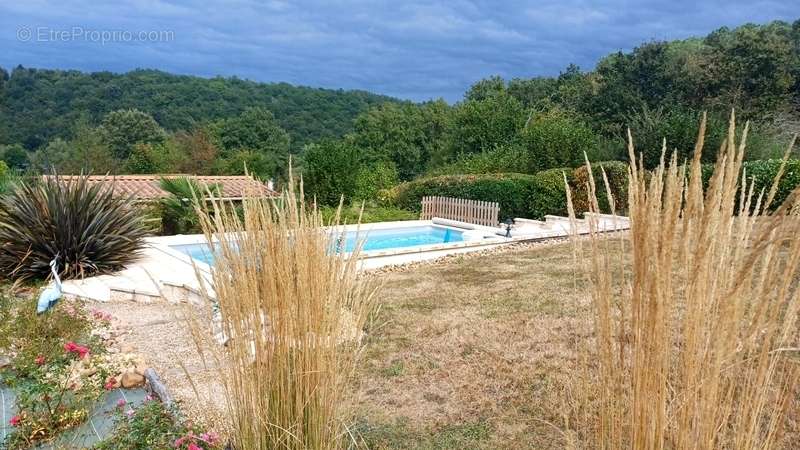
(411, 49)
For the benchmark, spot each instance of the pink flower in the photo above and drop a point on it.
(15, 421)
(121, 402)
(194, 446)
(130, 413)
(179, 442)
(110, 383)
(101, 315)
(40, 360)
(70, 347)
(211, 438)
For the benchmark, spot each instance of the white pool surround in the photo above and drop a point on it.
(164, 272)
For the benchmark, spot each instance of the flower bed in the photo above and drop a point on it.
(62, 365)
(154, 425)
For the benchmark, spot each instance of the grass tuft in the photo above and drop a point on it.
(294, 312)
(693, 353)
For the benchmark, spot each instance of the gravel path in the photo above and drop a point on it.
(161, 332)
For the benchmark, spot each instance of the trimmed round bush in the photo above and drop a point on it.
(617, 174)
(89, 228)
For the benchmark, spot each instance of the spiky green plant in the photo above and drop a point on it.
(178, 214)
(91, 228)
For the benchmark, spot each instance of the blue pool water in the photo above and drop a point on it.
(373, 240)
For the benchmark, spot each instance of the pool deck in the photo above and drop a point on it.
(164, 273)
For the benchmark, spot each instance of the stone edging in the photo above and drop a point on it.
(157, 386)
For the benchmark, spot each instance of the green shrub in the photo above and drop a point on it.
(617, 174)
(679, 126)
(371, 213)
(503, 159)
(555, 139)
(330, 171)
(373, 178)
(764, 173)
(7, 178)
(519, 195)
(90, 228)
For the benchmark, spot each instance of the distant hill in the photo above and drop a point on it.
(37, 105)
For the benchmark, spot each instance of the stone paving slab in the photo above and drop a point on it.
(7, 411)
(100, 423)
(98, 427)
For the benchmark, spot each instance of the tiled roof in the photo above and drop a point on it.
(146, 187)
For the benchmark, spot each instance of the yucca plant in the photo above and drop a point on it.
(293, 312)
(695, 343)
(89, 227)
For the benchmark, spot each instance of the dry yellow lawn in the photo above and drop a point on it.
(478, 353)
(474, 352)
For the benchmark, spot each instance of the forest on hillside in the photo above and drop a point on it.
(40, 105)
(357, 144)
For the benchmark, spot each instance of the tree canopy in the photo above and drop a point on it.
(355, 143)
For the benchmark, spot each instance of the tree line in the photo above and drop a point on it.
(356, 144)
(659, 91)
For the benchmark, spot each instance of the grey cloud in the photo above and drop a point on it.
(414, 49)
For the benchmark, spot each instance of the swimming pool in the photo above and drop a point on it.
(373, 240)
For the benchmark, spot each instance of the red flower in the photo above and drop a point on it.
(15, 421)
(194, 446)
(110, 383)
(40, 360)
(71, 347)
(82, 351)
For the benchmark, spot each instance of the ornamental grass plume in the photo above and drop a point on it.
(696, 339)
(293, 311)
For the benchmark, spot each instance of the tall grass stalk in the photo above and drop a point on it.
(694, 338)
(293, 311)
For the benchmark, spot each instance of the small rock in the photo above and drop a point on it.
(140, 369)
(127, 348)
(4, 362)
(132, 379)
(88, 372)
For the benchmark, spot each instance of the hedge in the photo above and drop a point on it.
(617, 175)
(534, 196)
(764, 172)
(519, 195)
